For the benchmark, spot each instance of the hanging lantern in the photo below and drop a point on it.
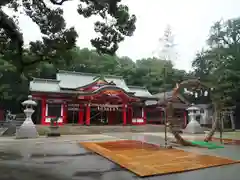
(205, 93)
(185, 90)
(196, 94)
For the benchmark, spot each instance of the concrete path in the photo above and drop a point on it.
(226, 135)
(63, 158)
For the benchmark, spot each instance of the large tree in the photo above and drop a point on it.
(219, 65)
(56, 37)
(167, 47)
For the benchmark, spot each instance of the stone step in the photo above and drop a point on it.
(9, 128)
(2, 130)
(10, 131)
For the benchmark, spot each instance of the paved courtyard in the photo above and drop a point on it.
(63, 158)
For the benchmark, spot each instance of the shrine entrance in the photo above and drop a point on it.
(72, 113)
(98, 117)
(109, 106)
(106, 114)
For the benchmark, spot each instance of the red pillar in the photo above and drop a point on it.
(88, 111)
(111, 116)
(64, 113)
(124, 109)
(144, 116)
(129, 117)
(81, 114)
(43, 120)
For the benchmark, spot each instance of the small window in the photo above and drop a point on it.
(137, 112)
(54, 110)
(202, 111)
(154, 115)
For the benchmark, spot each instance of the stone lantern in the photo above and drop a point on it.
(28, 129)
(193, 126)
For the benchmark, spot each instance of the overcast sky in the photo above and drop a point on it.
(190, 21)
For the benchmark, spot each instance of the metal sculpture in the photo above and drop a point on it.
(10, 116)
(170, 123)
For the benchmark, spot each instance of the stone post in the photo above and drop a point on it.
(232, 120)
(54, 128)
(27, 129)
(193, 126)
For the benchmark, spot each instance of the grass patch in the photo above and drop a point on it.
(208, 145)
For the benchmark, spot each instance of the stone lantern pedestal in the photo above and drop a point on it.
(193, 127)
(54, 128)
(27, 129)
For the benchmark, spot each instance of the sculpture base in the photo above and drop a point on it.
(194, 127)
(53, 134)
(26, 130)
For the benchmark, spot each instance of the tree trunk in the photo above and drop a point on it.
(214, 126)
(212, 131)
(180, 140)
(232, 121)
(175, 133)
(178, 137)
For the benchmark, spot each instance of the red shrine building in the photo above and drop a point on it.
(90, 99)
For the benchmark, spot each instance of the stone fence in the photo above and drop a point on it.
(74, 129)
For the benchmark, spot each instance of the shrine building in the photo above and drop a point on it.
(91, 99)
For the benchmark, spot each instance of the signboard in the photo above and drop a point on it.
(55, 101)
(112, 92)
(73, 107)
(107, 107)
(150, 102)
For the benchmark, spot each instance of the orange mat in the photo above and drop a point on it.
(146, 159)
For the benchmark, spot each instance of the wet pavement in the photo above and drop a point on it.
(63, 158)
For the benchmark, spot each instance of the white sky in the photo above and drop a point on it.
(190, 21)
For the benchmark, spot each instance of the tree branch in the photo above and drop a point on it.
(11, 30)
(4, 2)
(56, 2)
(25, 64)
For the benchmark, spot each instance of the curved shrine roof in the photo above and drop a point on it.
(70, 82)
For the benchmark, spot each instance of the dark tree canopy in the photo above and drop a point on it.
(57, 39)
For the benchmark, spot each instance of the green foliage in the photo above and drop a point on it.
(219, 65)
(56, 49)
(57, 39)
(145, 72)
